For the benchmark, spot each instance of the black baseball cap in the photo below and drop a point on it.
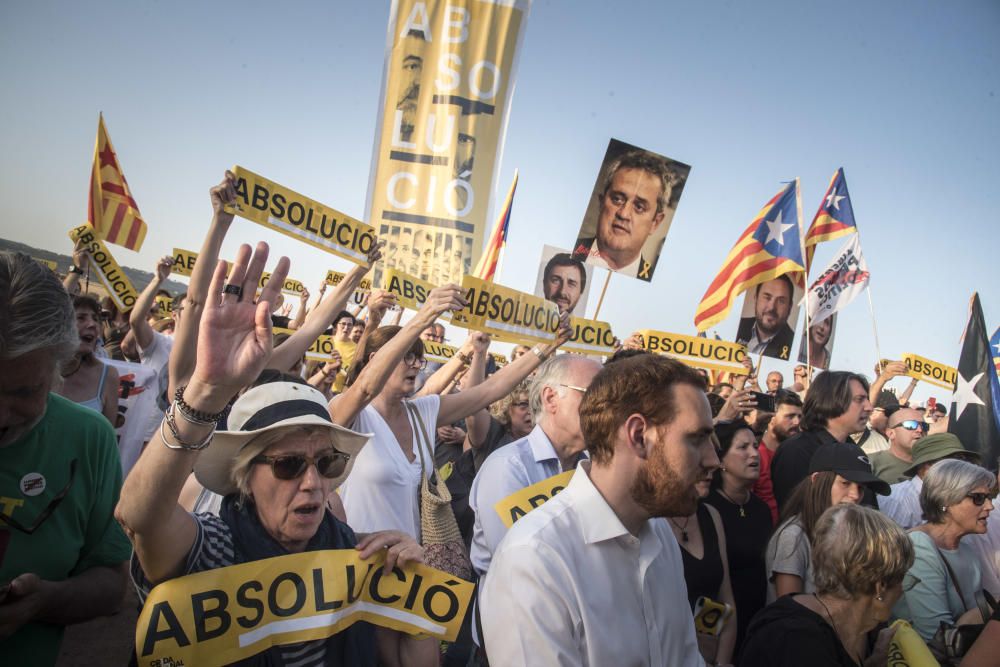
(850, 462)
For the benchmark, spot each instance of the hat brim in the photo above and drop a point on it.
(941, 456)
(213, 469)
(868, 479)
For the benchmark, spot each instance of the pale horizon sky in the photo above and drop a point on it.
(902, 94)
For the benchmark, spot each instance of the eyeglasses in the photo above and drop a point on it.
(912, 425)
(582, 390)
(979, 498)
(292, 466)
(523, 405)
(412, 359)
(49, 509)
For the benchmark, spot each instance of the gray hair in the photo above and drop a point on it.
(947, 483)
(550, 374)
(35, 311)
(651, 164)
(855, 548)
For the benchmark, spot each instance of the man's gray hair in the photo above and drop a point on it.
(651, 164)
(35, 311)
(948, 482)
(550, 374)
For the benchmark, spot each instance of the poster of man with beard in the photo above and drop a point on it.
(564, 280)
(768, 318)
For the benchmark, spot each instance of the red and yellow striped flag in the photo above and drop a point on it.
(487, 267)
(111, 211)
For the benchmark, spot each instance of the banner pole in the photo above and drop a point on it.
(871, 309)
(604, 289)
(805, 276)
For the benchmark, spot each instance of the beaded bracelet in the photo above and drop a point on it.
(192, 416)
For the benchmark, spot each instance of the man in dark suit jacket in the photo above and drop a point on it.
(585, 246)
(768, 330)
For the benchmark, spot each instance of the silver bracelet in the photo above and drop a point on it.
(168, 419)
(538, 353)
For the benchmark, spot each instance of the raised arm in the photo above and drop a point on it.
(286, 354)
(233, 345)
(139, 315)
(80, 260)
(477, 424)
(300, 314)
(345, 407)
(182, 355)
(889, 371)
(460, 405)
(440, 379)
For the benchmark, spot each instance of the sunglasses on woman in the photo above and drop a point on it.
(978, 499)
(329, 464)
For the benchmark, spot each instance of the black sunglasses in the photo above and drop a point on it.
(49, 509)
(913, 425)
(292, 466)
(978, 499)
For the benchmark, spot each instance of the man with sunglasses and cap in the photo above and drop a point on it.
(276, 465)
(905, 427)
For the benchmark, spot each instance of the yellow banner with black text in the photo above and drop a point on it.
(107, 269)
(225, 615)
(321, 349)
(590, 337)
(506, 314)
(716, 355)
(516, 505)
(282, 210)
(929, 371)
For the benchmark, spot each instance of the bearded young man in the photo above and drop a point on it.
(598, 581)
(784, 424)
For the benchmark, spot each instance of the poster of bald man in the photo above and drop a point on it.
(767, 321)
(630, 210)
(564, 280)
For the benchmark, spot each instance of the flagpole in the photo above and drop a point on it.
(802, 236)
(600, 301)
(871, 309)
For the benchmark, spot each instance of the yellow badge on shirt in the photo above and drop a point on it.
(228, 614)
(516, 505)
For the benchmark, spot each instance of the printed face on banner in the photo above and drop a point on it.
(630, 211)
(448, 77)
(767, 322)
(820, 343)
(564, 280)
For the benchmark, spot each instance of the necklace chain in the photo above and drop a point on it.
(739, 505)
(836, 630)
(682, 529)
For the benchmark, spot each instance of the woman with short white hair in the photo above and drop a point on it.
(956, 499)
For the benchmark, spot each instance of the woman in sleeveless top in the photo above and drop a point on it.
(86, 379)
(382, 492)
(706, 571)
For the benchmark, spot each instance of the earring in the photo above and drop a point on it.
(944, 508)
(879, 598)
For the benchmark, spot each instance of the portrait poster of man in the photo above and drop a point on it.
(767, 321)
(630, 210)
(820, 342)
(564, 280)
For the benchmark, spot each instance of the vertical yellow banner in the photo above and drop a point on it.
(448, 79)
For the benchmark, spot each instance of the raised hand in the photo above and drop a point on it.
(379, 301)
(80, 255)
(222, 195)
(234, 341)
(375, 253)
(163, 267)
(565, 329)
(442, 299)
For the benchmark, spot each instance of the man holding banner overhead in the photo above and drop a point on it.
(589, 577)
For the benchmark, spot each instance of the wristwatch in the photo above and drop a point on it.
(73, 268)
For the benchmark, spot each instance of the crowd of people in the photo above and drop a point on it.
(696, 527)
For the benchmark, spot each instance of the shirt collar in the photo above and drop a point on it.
(541, 446)
(600, 521)
(598, 260)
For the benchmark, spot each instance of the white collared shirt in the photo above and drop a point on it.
(597, 259)
(569, 585)
(755, 345)
(902, 505)
(520, 464)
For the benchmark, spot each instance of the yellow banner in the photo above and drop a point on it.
(590, 337)
(321, 349)
(507, 314)
(276, 207)
(500, 359)
(184, 261)
(291, 287)
(107, 269)
(929, 371)
(448, 78)
(907, 648)
(516, 505)
(53, 266)
(334, 277)
(439, 352)
(410, 292)
(716, 355)
(221, 616)
(166, 304)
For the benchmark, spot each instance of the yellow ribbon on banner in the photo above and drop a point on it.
(590, 337)
(717, 355)
(907, 648)
(936, 374)
(507, 314)
(516, 505)
(184, 261)
(321, 349)
(107, 269)
(228, 614)
(410, 292)
(276, 207)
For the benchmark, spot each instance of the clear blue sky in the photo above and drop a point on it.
(902, 93)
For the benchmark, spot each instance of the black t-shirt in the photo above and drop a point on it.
(790, 464)
(786, 634)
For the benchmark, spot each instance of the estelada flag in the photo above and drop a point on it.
(111, 210)
(487, 267)
(835, 217)
(975, 405)
(995, 348)
(768, 248)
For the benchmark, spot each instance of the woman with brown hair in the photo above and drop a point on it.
(86, 379)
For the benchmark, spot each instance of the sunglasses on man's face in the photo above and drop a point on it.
(979, 498)
(329, 464)
(913, 425)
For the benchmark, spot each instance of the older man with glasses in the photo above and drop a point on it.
(904, 429)
(62, 555)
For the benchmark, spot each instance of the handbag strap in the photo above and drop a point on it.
(421, 429)
(951, 575)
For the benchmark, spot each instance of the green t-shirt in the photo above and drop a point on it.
(888, 468)
(81, 533)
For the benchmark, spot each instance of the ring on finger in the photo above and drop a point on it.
(236, 290)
